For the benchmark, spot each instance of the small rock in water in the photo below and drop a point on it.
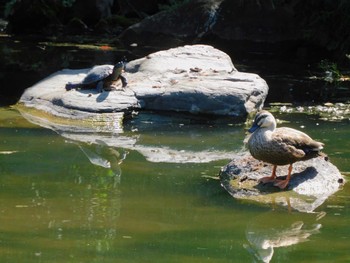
(312, 182)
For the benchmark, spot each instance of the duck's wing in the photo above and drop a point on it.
(296, 142)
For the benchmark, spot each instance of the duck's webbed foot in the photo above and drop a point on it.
(282, 184)
(269, 179)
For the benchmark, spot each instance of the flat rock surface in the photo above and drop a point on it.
(312, 182)
(196, 79)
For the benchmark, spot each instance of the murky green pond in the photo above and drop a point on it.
(154, 196)
(63, 200)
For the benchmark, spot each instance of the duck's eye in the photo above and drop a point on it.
(260, 119)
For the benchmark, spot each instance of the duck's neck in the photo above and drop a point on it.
(272, 127)
(267, 131)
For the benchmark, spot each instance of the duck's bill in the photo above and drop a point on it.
(253, 128)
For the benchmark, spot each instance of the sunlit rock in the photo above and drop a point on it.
(196, 79)
(50, 96)
(312, 182)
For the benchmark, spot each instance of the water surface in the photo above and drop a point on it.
(57, 205)
(155, 195)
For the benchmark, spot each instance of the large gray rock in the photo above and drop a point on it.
(312, 182)
(196, 79)
(269, 27)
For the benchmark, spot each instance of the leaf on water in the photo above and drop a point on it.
(8, 152)
(22, 206)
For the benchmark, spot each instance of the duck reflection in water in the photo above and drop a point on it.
(276, 230)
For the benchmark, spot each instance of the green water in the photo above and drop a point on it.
(57, 206)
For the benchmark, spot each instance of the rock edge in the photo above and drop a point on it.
(312, 182)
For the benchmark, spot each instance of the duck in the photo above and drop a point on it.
(279, 146)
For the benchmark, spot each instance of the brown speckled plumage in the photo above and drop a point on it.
(279, 146)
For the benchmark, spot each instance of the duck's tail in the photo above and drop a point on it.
(316, 146)
(314, 150)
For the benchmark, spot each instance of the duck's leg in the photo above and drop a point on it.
(271, 178)
(283, 183)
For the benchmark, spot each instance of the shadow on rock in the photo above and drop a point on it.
(102, 96)
(308, 174)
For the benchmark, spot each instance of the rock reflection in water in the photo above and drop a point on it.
(102, 155)
(276, 230)
(125, 141)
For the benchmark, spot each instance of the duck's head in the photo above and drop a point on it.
(263, 119)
